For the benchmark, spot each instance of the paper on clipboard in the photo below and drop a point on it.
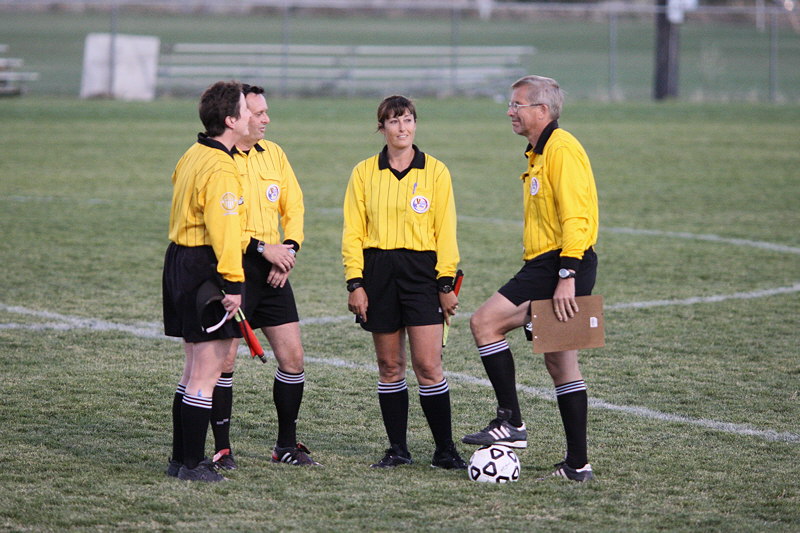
(585, 330)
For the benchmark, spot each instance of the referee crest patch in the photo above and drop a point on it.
(229, 203)
(534, 186)
(273, 193)
(420, 204)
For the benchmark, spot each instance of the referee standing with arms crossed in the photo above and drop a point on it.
(400, 255)
(205, 231)
(561, 221)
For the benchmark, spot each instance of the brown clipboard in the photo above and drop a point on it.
(585, 330)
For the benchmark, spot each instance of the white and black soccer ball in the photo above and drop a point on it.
(494, 464)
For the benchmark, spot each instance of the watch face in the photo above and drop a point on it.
(564, 273)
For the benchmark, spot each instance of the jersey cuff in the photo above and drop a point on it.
(445, 280)
(294, 244)
(570, 263)
(232, 287)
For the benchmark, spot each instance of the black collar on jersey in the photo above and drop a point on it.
(543, 138)
(417, 162)
(205, 140)
(257, 146)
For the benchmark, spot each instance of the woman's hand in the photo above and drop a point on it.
(449, 304)
(357, 303)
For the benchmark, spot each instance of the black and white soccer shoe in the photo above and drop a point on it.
(204, 471)
(499, 431)
(297, 455)
(573, 474)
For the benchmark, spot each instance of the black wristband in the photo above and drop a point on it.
(355, 283)
(445, 284)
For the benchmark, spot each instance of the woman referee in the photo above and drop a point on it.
(400, 255)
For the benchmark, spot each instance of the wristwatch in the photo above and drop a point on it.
(353, 285)
(260, 247)
(566, 274)
(446, 289)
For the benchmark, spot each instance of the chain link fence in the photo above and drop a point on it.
(597, 51)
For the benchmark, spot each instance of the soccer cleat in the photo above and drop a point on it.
(499, 431)
(448, 459)
(223, 460)
(173, 467)
(573, 474)
(204, 471)
(293, 455)
(394, 457)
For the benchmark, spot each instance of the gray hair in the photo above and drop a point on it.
(543, 90)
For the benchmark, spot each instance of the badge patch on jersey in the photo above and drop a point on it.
(420, 204)
(273, 193)
(534, 186)
(229, 203)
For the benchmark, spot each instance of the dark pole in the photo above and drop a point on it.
(666, 64)
(112, 48)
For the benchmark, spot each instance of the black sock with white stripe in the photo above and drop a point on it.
(177, 427)
(435, 402)
(287, 393)
(573, 406)
(499, 365)
(221, 409)
(393, 399)
(195, 415)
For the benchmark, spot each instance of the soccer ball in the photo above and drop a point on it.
(494, 464)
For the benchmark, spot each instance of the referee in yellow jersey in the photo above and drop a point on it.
(206, 234)
(560, 231)
(400, 255)
(275, 203)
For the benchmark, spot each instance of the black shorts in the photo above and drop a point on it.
(401, 288)
(185, 269)
(538, 278)
(264, 305)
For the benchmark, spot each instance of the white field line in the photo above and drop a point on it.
(493, 220)
(151, 330)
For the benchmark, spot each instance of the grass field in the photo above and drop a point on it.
(720, 60)
(694, 400)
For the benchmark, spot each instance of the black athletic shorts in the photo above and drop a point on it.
(185, 269)
(264, 305)
(401, 288)
(538, 278)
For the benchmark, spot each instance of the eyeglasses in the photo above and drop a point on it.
(513, 106)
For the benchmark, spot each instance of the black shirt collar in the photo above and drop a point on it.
(257, 147)
(205, 140)
(543, 138)
(417, 162)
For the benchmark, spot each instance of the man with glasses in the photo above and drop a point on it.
(560, 230)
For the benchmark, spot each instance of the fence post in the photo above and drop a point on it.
(773, 57)
(666, 64)
(612, 54)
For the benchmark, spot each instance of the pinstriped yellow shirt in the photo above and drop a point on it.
(207, 205)
(416, 212)
(274, 197)
(560, 198)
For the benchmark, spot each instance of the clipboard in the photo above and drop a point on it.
(585, 330)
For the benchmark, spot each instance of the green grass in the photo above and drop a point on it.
(688, 195)
(721, 60)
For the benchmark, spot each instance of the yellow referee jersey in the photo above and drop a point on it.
(417, 212)
(206, 204)
(559, 196)
(274, 197)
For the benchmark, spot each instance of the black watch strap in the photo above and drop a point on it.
(354, 284)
